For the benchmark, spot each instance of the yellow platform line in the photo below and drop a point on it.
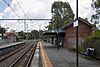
(45, 59)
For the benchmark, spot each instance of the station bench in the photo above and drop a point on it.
(90, 52)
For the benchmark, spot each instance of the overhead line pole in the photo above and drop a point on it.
(25, 30)
(77, 61)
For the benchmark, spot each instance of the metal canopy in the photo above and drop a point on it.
(53, 32)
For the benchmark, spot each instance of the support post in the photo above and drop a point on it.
(77, 63)
(57, 36)
(57, 40)
(25, 30)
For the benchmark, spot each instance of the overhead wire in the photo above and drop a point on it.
(12, 9)
(21, 9)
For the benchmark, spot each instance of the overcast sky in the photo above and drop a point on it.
(37, 9)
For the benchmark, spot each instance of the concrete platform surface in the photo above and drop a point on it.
(65, 58)
(35, 60)
(8, 44)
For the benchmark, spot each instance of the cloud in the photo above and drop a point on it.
(85, 9)
(1, 14)
(39, 9)
(33, 9)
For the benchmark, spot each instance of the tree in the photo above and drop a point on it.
(93, 41)
(28, 35)
(21, 35)
(95, 4)
(96, 17)
(86, 19)
(61, 11)
(35, 34)
(40, 34)
(2, 31)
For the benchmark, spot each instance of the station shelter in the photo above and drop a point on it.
(67, 33)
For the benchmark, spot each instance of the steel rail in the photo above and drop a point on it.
(31, 57)
(13, 53)
(16, 61)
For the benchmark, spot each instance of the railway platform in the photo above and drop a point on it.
(9, 44)
(51, 57)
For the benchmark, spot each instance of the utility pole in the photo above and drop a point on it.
(25, 31)
(77, 63)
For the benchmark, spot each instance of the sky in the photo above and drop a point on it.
(37, 9)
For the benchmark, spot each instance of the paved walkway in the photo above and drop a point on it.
(64, 58)
(45, 60)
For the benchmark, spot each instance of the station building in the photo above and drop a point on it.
(10, 37)
(67, 33)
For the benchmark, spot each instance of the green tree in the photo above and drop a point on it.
(21, 35)
(2, 31)
(96, 4)
(28, 35)
(96, 17)
(61, 11)
(35, 34)
(92, 41)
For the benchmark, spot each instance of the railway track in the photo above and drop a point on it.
(25, 59)
(6, 50)
(17, 59)
(3, 57)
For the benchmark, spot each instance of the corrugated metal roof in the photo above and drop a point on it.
(54, 31)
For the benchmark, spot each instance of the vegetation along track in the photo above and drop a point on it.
(9, 59)
(25, 59)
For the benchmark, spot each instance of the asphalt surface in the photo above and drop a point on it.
(65, 58)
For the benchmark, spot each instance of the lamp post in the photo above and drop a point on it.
(77, 63)
(76, 28)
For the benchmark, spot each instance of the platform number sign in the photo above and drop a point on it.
(75, 23)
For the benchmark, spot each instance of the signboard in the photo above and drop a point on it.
(75, 23)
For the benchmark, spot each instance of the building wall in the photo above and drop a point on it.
(11, 38)
(84, 31)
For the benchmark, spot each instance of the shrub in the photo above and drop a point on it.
(93, 41)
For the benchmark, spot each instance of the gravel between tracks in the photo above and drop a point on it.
(8, 61)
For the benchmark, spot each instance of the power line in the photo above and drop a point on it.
(30, 19)
(12, 9)
(21, 9)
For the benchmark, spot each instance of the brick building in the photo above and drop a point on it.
(11, 37)
(84, 30)
(67, 33)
